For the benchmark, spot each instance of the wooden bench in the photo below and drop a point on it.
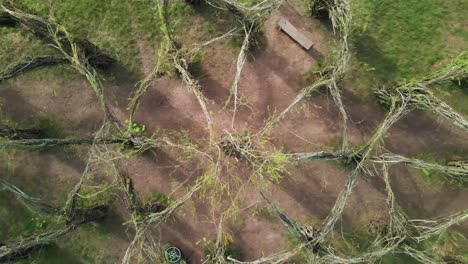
(292, 31)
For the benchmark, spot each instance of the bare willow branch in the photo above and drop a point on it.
(35, 204)
(180, 62)
(417, 94)
(277, 258)
(423, 257)
(239, 66)
(53, 142)
(337, 210)
(24, 246)
(430, 228)
(20, 249)
(452, 172)
(317, 156)
(41, 27)
(29, 64)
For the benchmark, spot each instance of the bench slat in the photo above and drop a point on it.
(295, 34)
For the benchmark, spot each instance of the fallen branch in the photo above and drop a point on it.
(42, 27)
(452, 172)
(303, 93)
(25, 246)
(307, 236)
(239, 66)
(181, 63)
(20, 249)
(53, 142)
(430, 228)
(32, 203)
(29, 64)
(20, 133)
(423, 257)
(417, 94)
(398, 109)
(277, 258)
(317, 156)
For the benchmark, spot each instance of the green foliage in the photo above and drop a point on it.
(34, 225)
(235, 42)
(303, 255)
(291, 234)
(446, 245)
(90, 196)
(135, 128)
(313, 71)
(146, 20)
(335, 144)
(273, 167)
(52, 254)
(157, 196)
(451, 240)
(50, 127)
(231, 250)
(209, 28)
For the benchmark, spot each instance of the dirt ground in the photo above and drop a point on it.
(271, 79)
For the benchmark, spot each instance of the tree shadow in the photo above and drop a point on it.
(54, 254)
(371, 55)
(218, 20)
(325, 21)
(464, 86)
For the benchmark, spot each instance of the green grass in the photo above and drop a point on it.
(90, 243)
(16, 219)
(395, 40)
(434, 177)
(404, 39)
(114, 26)
(396, 258)
(303, 255)
(156, 196)
(400, 39)
(354, 242)
(16, 45)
